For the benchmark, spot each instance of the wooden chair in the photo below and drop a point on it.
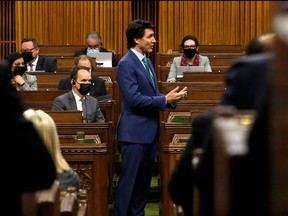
(69, 203)
(43, 202)
(231, 130)
(173, 139)
(83, 201)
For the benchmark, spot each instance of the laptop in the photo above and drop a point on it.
(103, 59)
(181, 69)
(37, 71)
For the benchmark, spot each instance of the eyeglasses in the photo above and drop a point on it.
(190, 47)
(93, 47)
(28, 50)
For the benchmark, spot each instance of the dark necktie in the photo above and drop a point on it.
(145, 61)
(84, 109)
(31, 66)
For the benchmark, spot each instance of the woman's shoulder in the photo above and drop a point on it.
(202, 56)
(178, 57)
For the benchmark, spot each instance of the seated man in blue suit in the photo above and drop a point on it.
(98, 87)
(35, 62)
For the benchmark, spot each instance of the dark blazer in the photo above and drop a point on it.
(246, 80)
(47, 64)
(98, 87)
(246, 86)
(67, 102)
(84, 52)
(181, 182)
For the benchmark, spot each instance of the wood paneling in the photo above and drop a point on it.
(68, 22)
(213, 22)
(7, 30)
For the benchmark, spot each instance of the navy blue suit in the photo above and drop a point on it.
(48, 64)
(137, 133)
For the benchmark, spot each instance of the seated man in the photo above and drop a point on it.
(94, 45)
(35, 62)
(77, 98)
(98, 87)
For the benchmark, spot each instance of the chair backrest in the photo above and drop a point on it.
(43, 202)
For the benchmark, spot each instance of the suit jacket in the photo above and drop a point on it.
(181, 182)
(98, 87)
(30, 82)
(48, 64)
(204, 61)
(246, 81)
(246, 88)
(141, 102)
(67, 102)
(84, 52)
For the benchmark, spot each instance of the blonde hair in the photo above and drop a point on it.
(46, 128)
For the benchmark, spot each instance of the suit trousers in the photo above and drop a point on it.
(134, 183)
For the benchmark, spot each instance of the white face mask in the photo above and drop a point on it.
(89, 50)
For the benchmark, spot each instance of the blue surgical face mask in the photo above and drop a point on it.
(89, 50)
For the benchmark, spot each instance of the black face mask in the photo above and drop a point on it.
(27, 56)
(19, 70)
(189, 53)
(84, 89)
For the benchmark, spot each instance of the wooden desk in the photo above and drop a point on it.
(189, 106)
(216, 48)
(60, 49)
(216, 59)
(196, 90)
(170, 152)
(204, 77)
(93, 162)
(44, 99)
(163, 71)
(66, 116)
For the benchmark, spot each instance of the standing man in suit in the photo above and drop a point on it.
(98, 87)
(77, 98)
(30, 52)
(138, 125)
(94, 45)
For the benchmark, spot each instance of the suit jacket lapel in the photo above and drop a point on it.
(72, 101)
(140, 65)
(40, 63)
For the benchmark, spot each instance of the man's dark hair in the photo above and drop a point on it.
(12, 57)
(33, 40)
(84, 57)
(74, 72)
(261, 43)
(136, 29)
